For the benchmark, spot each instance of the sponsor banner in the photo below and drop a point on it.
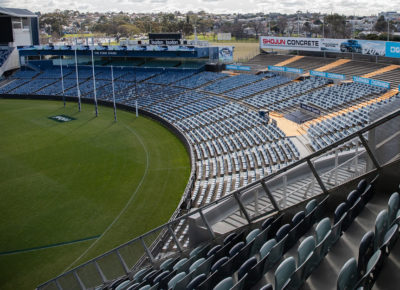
(164, 41)
(285, 69)
(290, 43)
(368, 47)
(327, 75)
(331, 45)
(225, 53)
(392, 49)
(238, 67)
(372, 82)
(310, 109)
(62, 118)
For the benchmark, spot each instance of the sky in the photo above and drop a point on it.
(347, 7)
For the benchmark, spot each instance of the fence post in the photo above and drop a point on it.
(205, 221)
(178, 244)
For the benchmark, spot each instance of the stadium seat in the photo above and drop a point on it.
(175, 280)
(373, 268)
(245, 268)
(196, 281)
(348, 276)
(284, 272)
(323, 238)
(225, 284)
(366, 249)
(393, 207)
(381, 227)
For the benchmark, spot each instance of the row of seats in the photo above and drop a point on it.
(273, 99)
(230, 83)
(227, 265)
(333, 129)
(374, 248)
(4, 53)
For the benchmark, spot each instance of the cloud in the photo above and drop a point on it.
(360, 7)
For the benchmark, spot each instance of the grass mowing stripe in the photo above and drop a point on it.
(48, 246)
(126, 205)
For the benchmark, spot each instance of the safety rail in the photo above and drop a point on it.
(359, 153)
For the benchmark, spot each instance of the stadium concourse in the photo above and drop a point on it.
(220, 115)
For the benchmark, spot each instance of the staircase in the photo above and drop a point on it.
(290, 60)
(333, 64)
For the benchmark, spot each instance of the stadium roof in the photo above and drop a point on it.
(17, 12)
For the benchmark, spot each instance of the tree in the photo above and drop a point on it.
(336, 27)
(257, 26)
(381, 25)
(282, 24)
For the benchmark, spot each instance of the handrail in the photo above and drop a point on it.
(199, 211)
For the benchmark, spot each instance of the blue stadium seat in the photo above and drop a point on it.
(348, 276)
(284, 272)
(366, 249)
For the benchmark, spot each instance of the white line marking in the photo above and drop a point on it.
(126, 205)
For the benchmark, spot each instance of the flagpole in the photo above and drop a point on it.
(94, 86)
(62, 80)
(113, 91)
(77, 81)
(136, 93)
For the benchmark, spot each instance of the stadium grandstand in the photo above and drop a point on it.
(293, 169)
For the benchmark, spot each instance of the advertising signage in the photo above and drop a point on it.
(393, 49)
(290, 43)
(238, 67)
(367, 47)
(164, 42)
(371, 82)
(285, 69)
(327, 75)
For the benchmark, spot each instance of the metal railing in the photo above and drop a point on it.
(315, 174)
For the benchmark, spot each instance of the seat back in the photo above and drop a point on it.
(140, 274)
(298, 217)
(393, 207)
(218, 264)
(179, 264)
(229, 238)
(236, 248)
(305, 249)
(225, 284)
(259, 241)
(284, 271)
(267, 223)
(322, 229)
(381, 226)
(252, 235)
(244, 269)
(176, 279)
(196, 264)
(365, 251)
(339, 212)
(282, 232)
(311, 205)
(266, 248)
(362, 186)
(348, 276)
(160, 276)
(213, 250)
(351, 198)
(196, 281)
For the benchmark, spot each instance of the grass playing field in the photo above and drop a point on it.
(61, 182)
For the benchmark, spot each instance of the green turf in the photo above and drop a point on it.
(61, 182)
